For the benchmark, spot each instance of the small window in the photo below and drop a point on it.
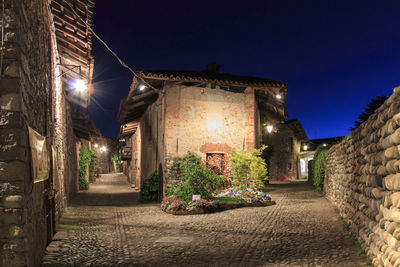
(215, 162)
(290, 144)
(289, 166)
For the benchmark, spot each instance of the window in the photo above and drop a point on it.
(289, 166)
(290, 144)
(215, 162)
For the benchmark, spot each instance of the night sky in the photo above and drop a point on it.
(334, 55)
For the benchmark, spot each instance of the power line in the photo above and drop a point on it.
(123, 64)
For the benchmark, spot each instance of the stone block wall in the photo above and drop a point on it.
(363, 180)
(30, 95)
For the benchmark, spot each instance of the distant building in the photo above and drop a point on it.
(309, 148)
(283, 154)
(205, 112)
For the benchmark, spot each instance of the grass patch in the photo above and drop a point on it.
(68, 224)
(345, 225)
(229, 200)
(353, 238)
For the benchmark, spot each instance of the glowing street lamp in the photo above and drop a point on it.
(305, 147)
(103, 149)
(278, 96)
(270, 128)
(324, 144)
(96, 145)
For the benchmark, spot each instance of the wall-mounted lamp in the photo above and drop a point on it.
(324, 144)
(305, 147)
(142, 87)
(270, 128)
(278, 96)
(103, 149)
(77, 85)
(96, 145)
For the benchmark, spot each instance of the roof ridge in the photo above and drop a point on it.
(209, 76)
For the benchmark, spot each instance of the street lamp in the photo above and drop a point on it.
(103, 149)
(270, 128)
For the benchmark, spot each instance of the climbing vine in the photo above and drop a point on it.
(115, 159)
(85, 159)
(319, 166)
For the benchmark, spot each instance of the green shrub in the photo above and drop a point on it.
(85, 159)
(319, 166)
(149, 190)
(115, 158)
(195, 178)
(248, 169)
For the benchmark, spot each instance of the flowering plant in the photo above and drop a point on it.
(166, 203)
(176, 204)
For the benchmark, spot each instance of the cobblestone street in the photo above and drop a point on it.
(302, 229)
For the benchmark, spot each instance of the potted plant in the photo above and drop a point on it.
(50, 192)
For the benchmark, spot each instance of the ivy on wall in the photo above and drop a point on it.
(85, 159)
(115, 159)
(319, 167)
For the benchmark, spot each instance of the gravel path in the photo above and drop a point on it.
(302, 229)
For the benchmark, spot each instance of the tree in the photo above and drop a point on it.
(369, 110)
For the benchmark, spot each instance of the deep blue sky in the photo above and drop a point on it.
(334, 55)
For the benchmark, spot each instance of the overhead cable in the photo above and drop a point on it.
(110, 50)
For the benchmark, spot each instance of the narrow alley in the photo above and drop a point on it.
(302, 229)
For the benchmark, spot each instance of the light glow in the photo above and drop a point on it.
(213, 123)
(324, 144)
(278, 96)
(96, 145)
(142, 87)
(305, 147)
(103, 148)
(78, 85)
(270, 128)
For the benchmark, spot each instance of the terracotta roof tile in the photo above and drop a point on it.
(208, 76)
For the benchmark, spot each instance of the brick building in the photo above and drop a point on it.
(205, 112)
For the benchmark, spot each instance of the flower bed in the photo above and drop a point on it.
(229, 199)
(250, 195)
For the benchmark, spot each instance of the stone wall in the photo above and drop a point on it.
(363, 181)
(30, 95)
(147, 145)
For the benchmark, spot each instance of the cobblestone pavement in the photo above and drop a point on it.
(302, 229)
